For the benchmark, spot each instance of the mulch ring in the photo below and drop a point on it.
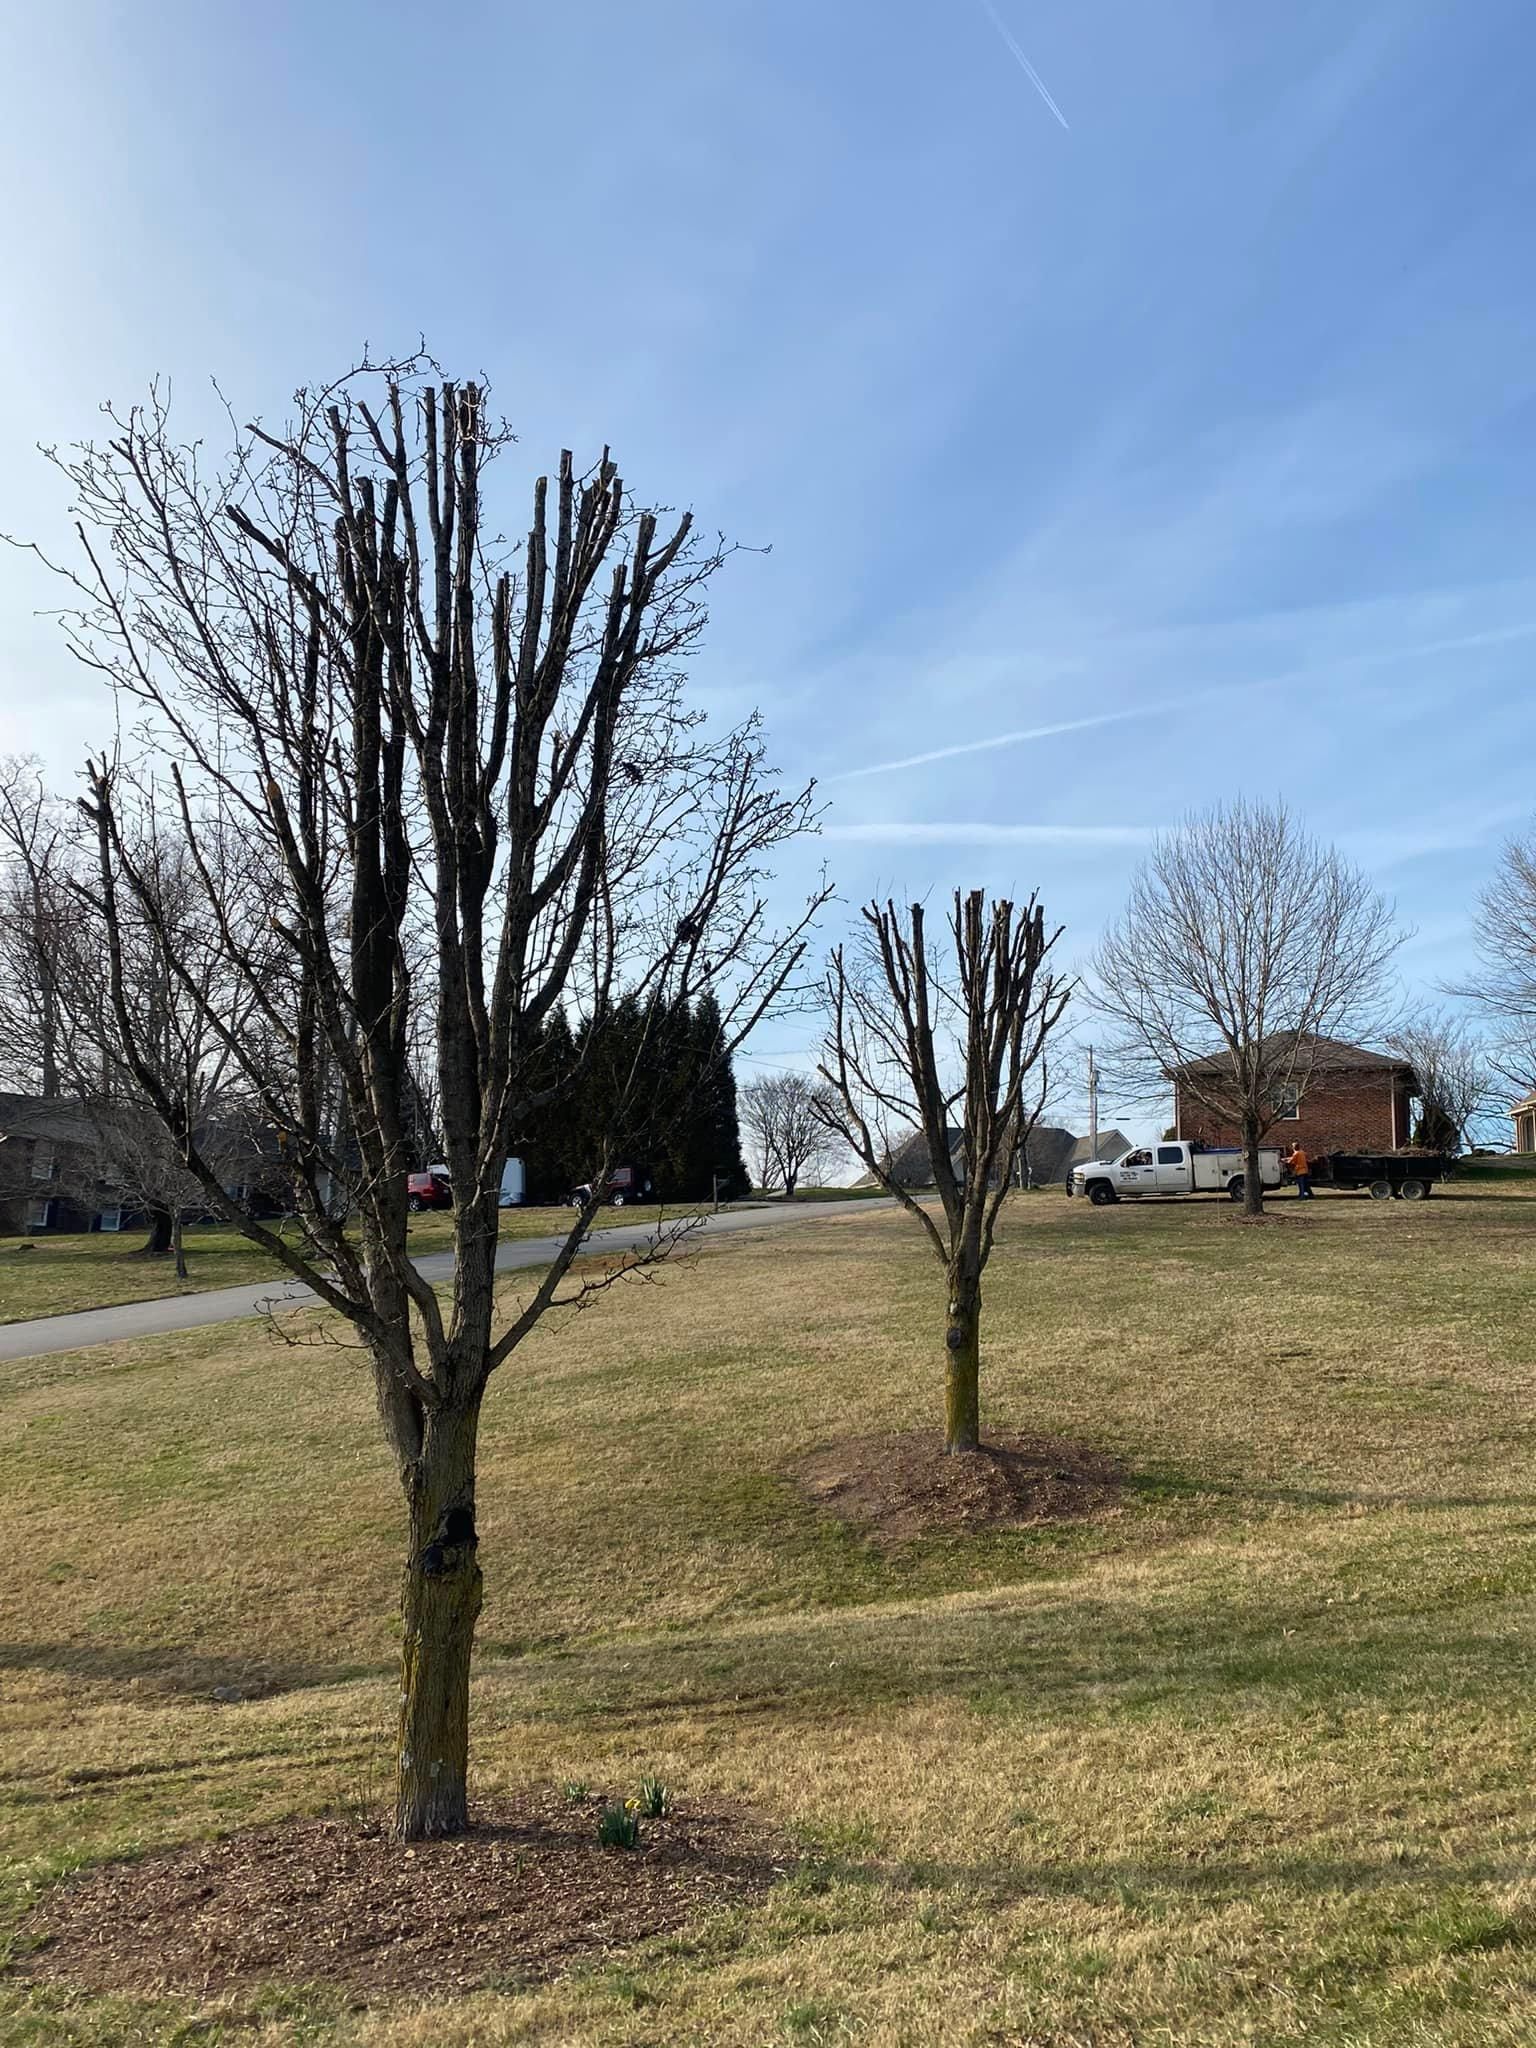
(527, 1892)
(899, 1486)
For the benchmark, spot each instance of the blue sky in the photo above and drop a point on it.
(1209, 418)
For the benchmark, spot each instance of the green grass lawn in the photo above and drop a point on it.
(1250, 1762)
(63, 1274)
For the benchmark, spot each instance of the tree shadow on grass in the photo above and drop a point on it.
(169, 1671)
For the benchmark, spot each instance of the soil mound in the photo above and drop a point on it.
(896, 1487)
(336, 1901)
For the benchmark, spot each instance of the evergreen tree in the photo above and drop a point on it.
(712, 1146)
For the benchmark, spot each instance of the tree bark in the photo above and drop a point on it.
(158, 1242)
(1253, 1178)
(178, 1245)
(440, 1603)
(962, 1366)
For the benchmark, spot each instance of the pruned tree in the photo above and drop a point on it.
(471, 786)
(788, 1130)
(1455, 1077)
(1243, 943)
(916, 1040)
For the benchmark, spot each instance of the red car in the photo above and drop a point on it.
(430, 1190)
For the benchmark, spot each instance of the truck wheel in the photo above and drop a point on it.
(413, 1203)
(1235, 1188)
(1413, 1191)
(1101, 1194)
(1380, 1191)
(618, 1201)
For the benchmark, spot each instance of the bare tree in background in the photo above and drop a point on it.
(787, 1130)
(159, 959)
(1243, 942)
(37, 916)
(1505, 987)
(916, 1040)
(468, 782)
(1456, 1079)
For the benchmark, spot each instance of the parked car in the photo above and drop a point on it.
(1177, 1168)
(1171, 1168)
(625, 1184)
(430, 1190)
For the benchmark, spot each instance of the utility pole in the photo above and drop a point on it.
(1093, 1107)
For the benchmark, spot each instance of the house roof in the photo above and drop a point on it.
(911, 1165)
(1525, 1102)
(1110, 1146)
(1322, 1055)
(59, 1117)
(1050, 1152)
(1046, 1151)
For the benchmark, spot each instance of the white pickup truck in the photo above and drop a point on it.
(1170, 1168)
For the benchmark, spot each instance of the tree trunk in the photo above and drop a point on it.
(1253, 1178)
(158, 1242)
(962, 1366)
(440, 1602)
(178, 1246)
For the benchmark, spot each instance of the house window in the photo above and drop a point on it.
(110, 1220)
(38, 1214)
(1288, 1102)
(42, 1159)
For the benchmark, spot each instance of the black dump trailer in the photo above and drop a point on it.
(1411, 1176)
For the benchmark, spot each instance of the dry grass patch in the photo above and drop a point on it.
(1246, 1762)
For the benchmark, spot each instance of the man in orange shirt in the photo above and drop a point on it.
(1301, 1171)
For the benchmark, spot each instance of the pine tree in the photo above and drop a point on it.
(713, 1145)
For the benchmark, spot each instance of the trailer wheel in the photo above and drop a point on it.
(1101, 1193)
(1235, 1188)
(1413, 1191)
(1380, 1191)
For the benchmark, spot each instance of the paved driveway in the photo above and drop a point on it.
(226, 1304)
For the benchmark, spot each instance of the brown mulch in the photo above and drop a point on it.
(336, 1901)
(895, 1487)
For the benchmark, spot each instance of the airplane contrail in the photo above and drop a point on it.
(1024, 64)
(1002, 739)
(1376, 657)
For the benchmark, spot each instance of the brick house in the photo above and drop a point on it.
(1344, 1098)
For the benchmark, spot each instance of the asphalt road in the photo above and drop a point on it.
(227, 1304)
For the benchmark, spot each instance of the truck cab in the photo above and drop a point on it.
(1173, 1166)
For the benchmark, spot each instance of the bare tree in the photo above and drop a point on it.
(1455, 1076)
(38, 862)
(162, 952)
(1243, 943)
(908, 1046)
(470, 784)
(1505, 987)
(785, 1123)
